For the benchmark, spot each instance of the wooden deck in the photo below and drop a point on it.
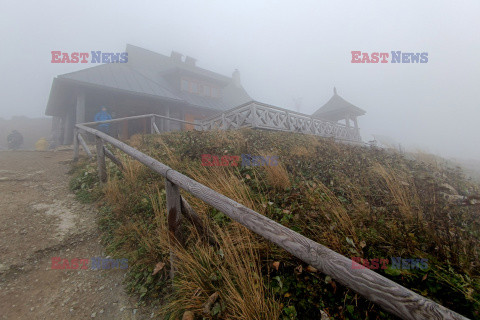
(263, 116)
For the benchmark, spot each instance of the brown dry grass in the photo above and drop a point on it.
(333, 209)
(277, 176)
(402, 190)
(232, 270)
(425, 157)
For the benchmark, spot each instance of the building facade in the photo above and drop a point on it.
(149, 82)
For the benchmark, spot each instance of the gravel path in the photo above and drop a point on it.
(40, 219)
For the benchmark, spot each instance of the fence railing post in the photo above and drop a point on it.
(174, 218)
(84, 144)
(102, 167)
(154, 126)
(75, 144)
(253, 112)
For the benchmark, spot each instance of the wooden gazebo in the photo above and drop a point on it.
(338, 109)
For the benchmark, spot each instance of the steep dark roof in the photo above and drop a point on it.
(153, 63)
(122, 77)
(145, 74)
(336, 108)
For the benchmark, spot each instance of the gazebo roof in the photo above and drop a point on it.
(337, 108)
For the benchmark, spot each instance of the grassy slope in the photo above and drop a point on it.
(356, 201)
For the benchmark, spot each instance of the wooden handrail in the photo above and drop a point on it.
(389, 295)
(137, 117)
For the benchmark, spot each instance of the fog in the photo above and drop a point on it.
(284, 50)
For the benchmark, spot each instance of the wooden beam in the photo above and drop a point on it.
(84, 145)
(197, 222)
(102, 167)
(68, 126)
(167, 122)
(253, 112)
(75, 144)
(80, 108)
(117, 120)
(174, 219)
(112, 157)
(154, 126)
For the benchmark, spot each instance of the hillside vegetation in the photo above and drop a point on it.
(359, 202)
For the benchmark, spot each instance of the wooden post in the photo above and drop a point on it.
(166, 122)
(102, 167)
(68, 129)
(75, 144)
(154, 126)
(144, 125)
(347, 121)
(80, 108)
(112, 157)
(162, 124)
(174, 218)
(84, 144)
(197, 222)
(253, 112)
(357, 131)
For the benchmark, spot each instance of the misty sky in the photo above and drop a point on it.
(283, 49)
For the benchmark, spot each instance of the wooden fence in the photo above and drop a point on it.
(259, 115)
(389, 295)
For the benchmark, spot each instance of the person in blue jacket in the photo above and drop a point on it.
(103, 115)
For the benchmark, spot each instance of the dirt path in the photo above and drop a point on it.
(40, 219)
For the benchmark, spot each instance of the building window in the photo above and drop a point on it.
(194, 87)
(184, 85)
(206, 90)
(215, 92)
(199, 88)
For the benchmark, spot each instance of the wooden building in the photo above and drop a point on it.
(338, 109)
(148, 83)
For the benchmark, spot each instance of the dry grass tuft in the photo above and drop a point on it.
(133, 170)
(332, 208)
(232, 271)
(425, 157)
(402, 189)
(224, 181)
(300, 151)
(277, 176)
(113, 192)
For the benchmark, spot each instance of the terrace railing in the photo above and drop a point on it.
(389, 295)
(263, 116)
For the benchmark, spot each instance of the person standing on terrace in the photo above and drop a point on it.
(103, 115)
